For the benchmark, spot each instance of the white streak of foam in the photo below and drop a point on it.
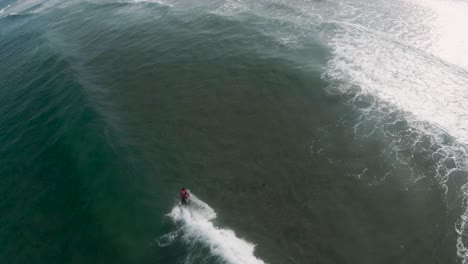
(28, 7)
(197, 227)
(3, 9)
(143, 2)
(146, 1)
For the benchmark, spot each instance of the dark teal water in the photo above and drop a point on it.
(108, 108)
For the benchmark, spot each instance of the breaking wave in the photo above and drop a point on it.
(408, 93)
(197, 230)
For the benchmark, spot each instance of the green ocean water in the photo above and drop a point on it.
(272, 113)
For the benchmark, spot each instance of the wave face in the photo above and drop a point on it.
(325, 131)
(198, 232)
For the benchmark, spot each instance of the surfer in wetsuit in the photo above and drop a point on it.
(184, 196)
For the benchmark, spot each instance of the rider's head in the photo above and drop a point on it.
(183, 189)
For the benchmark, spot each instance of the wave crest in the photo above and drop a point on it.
(198, 232)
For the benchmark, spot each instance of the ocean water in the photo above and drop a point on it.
(323, 131)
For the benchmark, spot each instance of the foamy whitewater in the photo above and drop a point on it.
(196, 230)
(419, 79)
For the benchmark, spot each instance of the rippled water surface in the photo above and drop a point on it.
(307, 131)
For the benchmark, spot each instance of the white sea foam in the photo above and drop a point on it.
(393, 60)
(196, 228)
(449, 25)
(147, 1)
(403, 61)
(3, 9)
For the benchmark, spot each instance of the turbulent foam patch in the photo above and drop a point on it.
(416, 99)
(406, 77)
(198, 232)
